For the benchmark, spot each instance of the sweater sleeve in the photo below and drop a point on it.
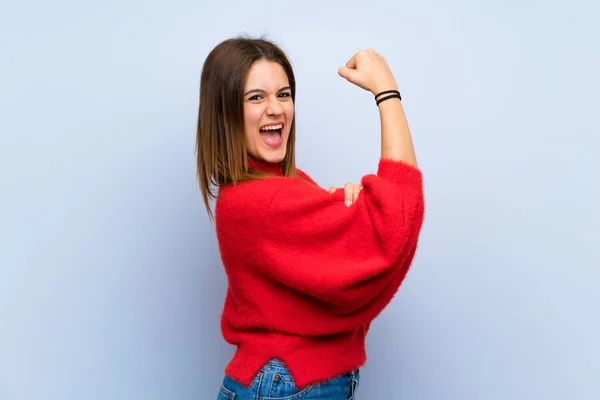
(345, 257)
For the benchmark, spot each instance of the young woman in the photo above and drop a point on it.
(308, 269)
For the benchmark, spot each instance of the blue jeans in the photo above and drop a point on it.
(274, 382)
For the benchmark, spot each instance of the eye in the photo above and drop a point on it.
(286, 94)
(255, 97)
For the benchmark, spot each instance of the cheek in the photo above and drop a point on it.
(251, 116)
(290, 111)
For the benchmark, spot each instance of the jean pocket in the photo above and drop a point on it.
(282, 387)
(225, 394)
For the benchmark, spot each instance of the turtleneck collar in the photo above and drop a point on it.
(274, 168)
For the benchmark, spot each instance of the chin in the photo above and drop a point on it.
(273, 157)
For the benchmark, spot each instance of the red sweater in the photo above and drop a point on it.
(306, 274)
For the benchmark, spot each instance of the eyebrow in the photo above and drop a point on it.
(264, 91)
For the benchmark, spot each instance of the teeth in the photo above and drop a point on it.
(271, 128)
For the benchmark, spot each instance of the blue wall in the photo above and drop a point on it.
(110, 281)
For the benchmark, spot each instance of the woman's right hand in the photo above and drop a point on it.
(351, 192)
(369, 70)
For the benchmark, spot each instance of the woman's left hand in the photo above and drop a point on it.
(351, 192)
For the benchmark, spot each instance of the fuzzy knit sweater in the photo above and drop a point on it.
(306, 274)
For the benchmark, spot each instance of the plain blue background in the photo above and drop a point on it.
(111, 285)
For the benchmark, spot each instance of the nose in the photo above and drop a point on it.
(274, 106)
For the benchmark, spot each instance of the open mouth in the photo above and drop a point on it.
(272, 135)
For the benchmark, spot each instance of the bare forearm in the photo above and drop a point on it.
(396, 141)
(370, 71)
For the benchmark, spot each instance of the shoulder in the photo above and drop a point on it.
(267, 187)
(303, 175)
(245, 206)
(256, 195)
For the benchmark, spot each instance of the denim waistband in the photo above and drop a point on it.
(275, 362)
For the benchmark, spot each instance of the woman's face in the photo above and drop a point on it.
(268, 111)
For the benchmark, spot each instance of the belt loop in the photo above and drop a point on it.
(353, 384)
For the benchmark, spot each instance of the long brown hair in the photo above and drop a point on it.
(220, 141)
